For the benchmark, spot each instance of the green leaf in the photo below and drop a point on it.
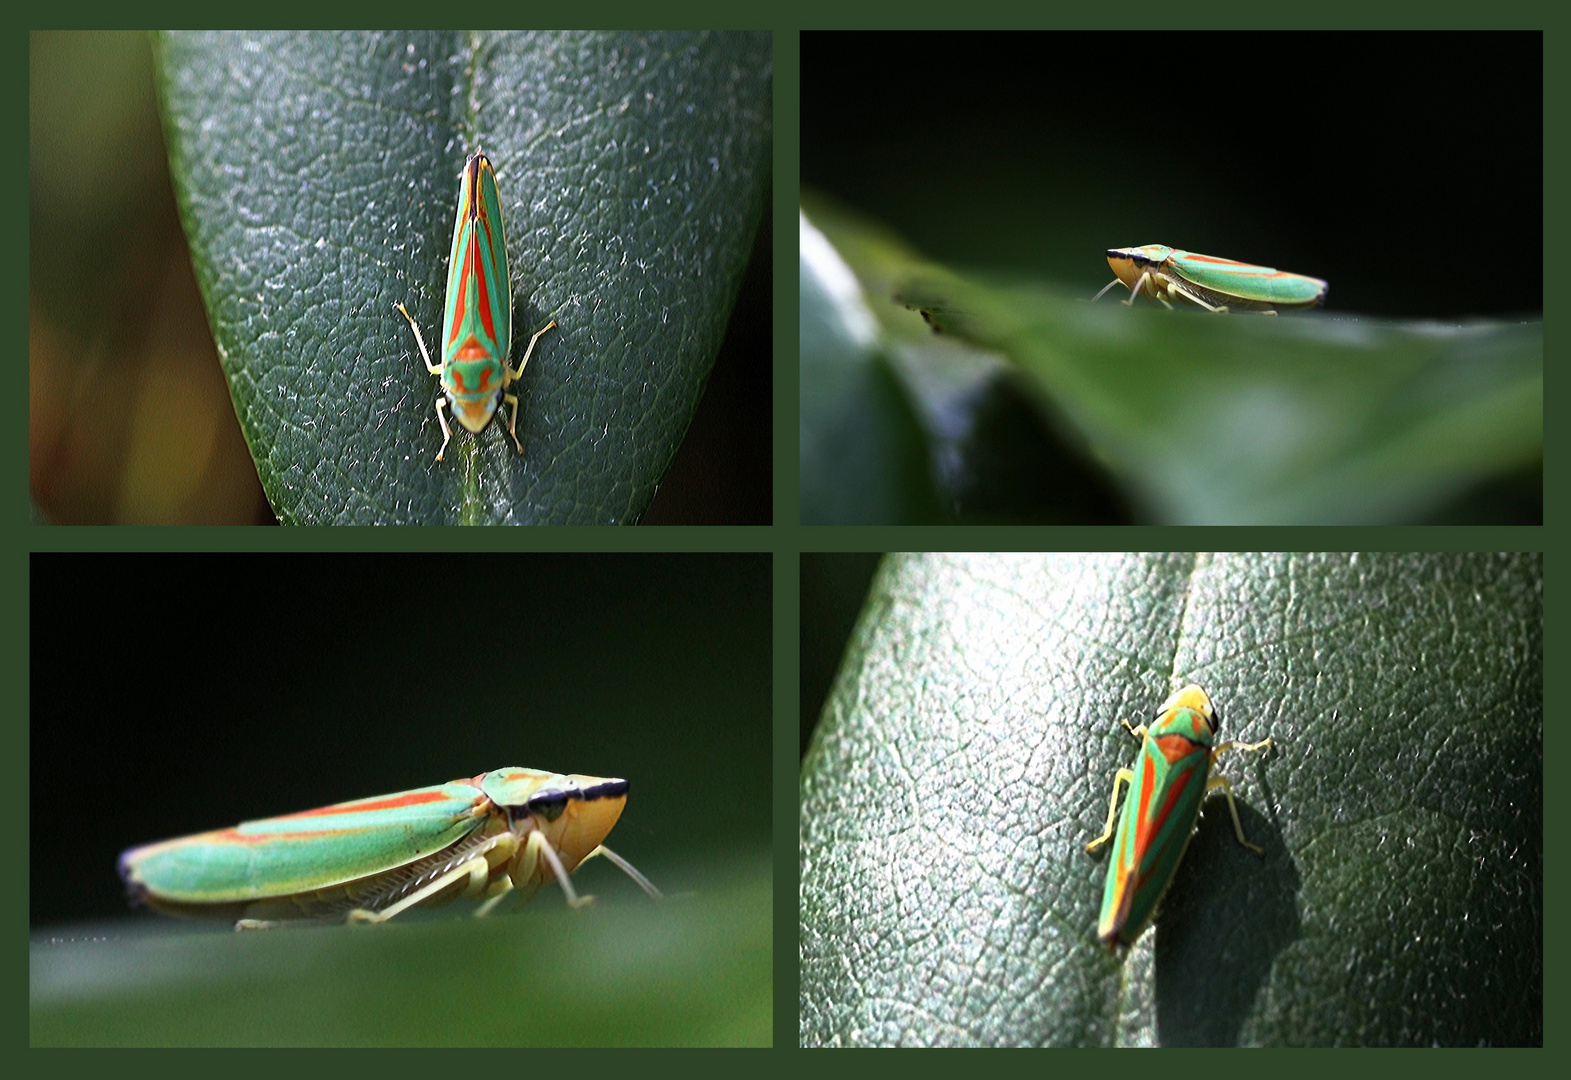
(317, 177)
(861, 450)
(967, 754)
(694, 970)
(1305, 419)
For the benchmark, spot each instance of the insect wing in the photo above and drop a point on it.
(1235, 280)
(477, 322)
(1157, 820)
(315, 849)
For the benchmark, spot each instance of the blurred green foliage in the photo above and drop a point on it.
(1167, 417)
(695, 969)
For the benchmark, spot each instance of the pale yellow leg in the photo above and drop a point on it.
(1134, 291)
(511, 375)
(1175, 289)
(498, 892)
(1221, 783)
(536, 847)
(1122, 776)
(476, 869)
(512, 399)
(441, 403)
(626, 868)
(434, 369)
(1241, 746)
(1106, 287)
(1179, 290)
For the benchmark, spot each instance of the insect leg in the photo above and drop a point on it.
(441, 403)
(626, 868)
(1220, 782)
(536, 847)
(434, 369)
(1230, 745)
(476, 868)
(498, 890)
(1106, 287)
(1134, 290)
(1122, 776)
(511, 375)
(1175, 289)
(512, 399)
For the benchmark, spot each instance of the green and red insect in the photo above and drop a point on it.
(1166, 787)
(477, 322)
(368, 860)
(1213, 283)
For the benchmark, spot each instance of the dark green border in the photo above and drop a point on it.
(787, 539)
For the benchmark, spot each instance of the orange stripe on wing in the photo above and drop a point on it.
(461, 300)
(1212, 259)
(235, 836)
(390, 802)
(1143, 811)
(1150, 825)
(477, 266)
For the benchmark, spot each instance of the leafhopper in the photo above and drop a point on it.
(367, 860)
(1166, 787)
(477, 322)
(1218, 285)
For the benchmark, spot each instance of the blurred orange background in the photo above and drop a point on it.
(129, 418)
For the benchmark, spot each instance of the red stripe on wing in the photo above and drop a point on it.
(389, 802)
(477, 265)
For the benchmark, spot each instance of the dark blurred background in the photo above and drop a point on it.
(833, 587)
(174, 694)
(1404, 168)
(129, 417)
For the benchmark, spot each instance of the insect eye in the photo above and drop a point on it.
(549, 808)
